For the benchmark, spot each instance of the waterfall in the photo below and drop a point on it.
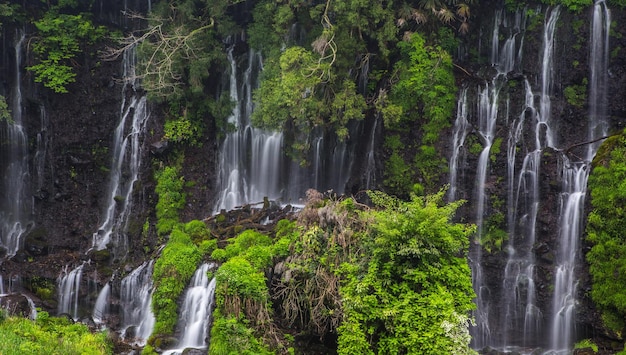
(195, 314)
(507, 313)
(1, 286)
(250, 158)
(253, 163)
(101, 307)
(370, 165)
(125, 163)
(461, 128)
(68, 284)
(16, 202)
(574, 186)
(504, 58)
(136, 303)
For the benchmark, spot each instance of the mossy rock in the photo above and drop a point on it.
(102, 255)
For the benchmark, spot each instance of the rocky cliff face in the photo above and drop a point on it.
(76, 131)
(541, 134)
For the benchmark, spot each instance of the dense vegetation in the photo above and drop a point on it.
(389, 279)
(605, 231)
(386, 278)
(49, 335)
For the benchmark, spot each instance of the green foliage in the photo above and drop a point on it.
(286, 235)
(425, 89)
(182, 130)
(576, 95)
(169, 188)
(494, 236)
(172, 271)
(239, 278)
(50, 335)
(5, 113)
(229, 336)
(60, 37)
(495, 149)
(572, 5)
(605, 232)
(398, 173)
(8, 12)
(413, 288)
(255, 247)
(586, 344)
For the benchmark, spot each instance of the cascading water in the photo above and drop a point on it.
(69, 287)
(136, 303)
(253, 163)
(101, 307)
(574, 186)
(504, 59)
(461, 128)
(195, 314)
(16, 201)
(250, 157)
(125, 163)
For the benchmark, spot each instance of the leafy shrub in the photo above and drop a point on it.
(172, 271)
(605, 231)
(171, 199)
(413, 290)
(230, 336)
(50, 335)
(59, 41)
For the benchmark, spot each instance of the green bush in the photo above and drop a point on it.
(171, 201)
(50, 335)
(229, 336)
(605, 231)
(413, 289)
(59, 40)
(172, 271)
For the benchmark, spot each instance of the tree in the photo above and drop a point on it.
(60, 37)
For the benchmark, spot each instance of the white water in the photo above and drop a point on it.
(461, 128)
(250, 158)
(125, 163)
(195, 314)
(512, 309)
(253, 163)
(16, 202)
(136, 301)
(574, 187)
(68, 285)
(101, 307)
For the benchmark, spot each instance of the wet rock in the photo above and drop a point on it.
(160, 148)
(194, 351)
(16, 305)
(35, 243)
